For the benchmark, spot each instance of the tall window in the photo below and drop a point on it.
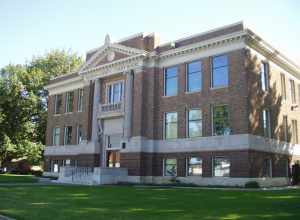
(79, 134)
(264, 76)
(220, 71)
(283, 86)
(68, 135)
(171, 79)
(221, 120)
(299, 94)
(294, 132)
(80, 100)
(267, 123)
(285, 128)
(170, 125)
(57, 103)
(267, 168)
(293, 91)
(221, 167)
(55, 136)
(194, 76)
(194, 166)
(170, 167)
(194, 123)
(114, 93)
(69, 101)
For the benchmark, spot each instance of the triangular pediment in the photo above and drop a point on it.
(110, 53)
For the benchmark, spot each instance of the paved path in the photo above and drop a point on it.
(2, 217)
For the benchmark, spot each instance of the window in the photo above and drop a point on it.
(114, 93)
(194, 165)
(170, 125)
(55, 136)
(69, 101)
(68, 135)
(266, 123)
(294, 132)
(221, 120)
(170, 167)
(194, 76)
(221, 167)
(267, 168)
(219, 71)
(80, 100)
(299, 94)
(293, 92)
(264, 76)
(285, 128)
(194, 123)
(283, 86)
(79, 134)
(55, 166)
(57, 103)
(170, 81)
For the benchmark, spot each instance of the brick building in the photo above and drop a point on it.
(216, 108)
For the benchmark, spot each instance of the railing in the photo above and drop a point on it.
(78, 174)
(111, 109)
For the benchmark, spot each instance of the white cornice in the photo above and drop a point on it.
(257, 43)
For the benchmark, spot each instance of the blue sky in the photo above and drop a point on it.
(33, 27)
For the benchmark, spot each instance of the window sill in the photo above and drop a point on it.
(169, 96)
(193, 92)
(219, 87)
(68, 113)
(55, 115)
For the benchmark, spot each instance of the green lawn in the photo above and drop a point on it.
(12, 178)
(121, 202)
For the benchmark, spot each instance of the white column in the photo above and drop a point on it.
(128, 104)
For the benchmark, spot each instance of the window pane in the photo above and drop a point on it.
(293, 92)
(221, 167)
(267, 168)
(221, 120)
(170, 167)
(283, 86)
(195, 114)
(220, 77)
(171, 130)
(194, 67)
(171, 81)
(171, 86)
(79, 134)
(220, 61)
(80, 100)
(195, 128)
(171, 117)
(195, 166)
(266, 123)
(56, 136)
(116, 93)
(194, 82)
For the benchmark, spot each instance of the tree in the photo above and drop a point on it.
(23, 103)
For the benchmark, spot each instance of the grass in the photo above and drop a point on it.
(12, 178)
(124, 202)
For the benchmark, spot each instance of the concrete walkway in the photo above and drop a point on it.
(2, 217)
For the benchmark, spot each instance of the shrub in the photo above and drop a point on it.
(296, 173)
(252, 184)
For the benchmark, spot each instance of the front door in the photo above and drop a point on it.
(113, 158)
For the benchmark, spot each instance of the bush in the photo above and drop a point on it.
(296, 173)
(252, 184)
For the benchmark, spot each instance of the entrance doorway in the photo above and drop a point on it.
(113, 158)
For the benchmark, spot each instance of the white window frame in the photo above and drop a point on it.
(187, 76)
(187, 163)
(65, 135)
(67, 110)
(265, 66)
(80, 100)
(164, 166)
(77, 137)
(164, 79)
(293, 91)
(121, 91)
(187, 122)
(54, 136)
(268, 123)
(165, 127)
(212, 71)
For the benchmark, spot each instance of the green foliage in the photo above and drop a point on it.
(23, 103)
(252, 184)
